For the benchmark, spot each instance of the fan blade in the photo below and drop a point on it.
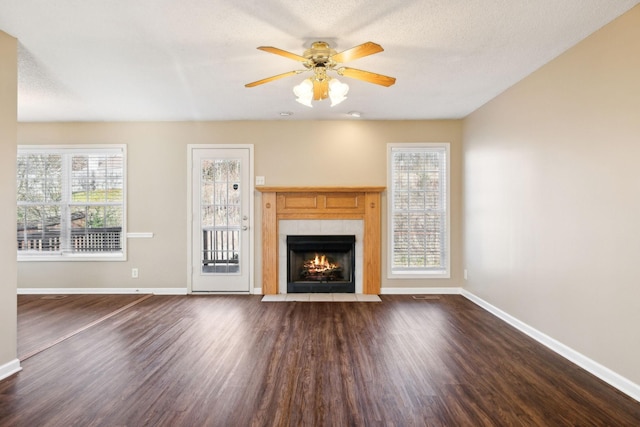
(272, 78)
(367, 76)
(284, 53)
(320, 89)
(365, 49)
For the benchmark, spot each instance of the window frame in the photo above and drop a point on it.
(444, 272)
(81, 149)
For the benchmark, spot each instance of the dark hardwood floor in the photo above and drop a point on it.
(235, 361)
(44, 320)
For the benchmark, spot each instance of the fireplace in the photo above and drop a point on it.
(323, 263)
(283, 205)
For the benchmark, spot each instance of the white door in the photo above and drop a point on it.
(220, 233)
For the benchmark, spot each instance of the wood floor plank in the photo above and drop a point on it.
(45, 319)
(233, 360)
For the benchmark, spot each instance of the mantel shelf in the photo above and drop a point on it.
(356, 189)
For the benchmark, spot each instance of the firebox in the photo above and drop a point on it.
(321, 264)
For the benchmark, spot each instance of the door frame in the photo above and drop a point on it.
(191, 214)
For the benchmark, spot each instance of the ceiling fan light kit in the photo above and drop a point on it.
(304, 92)
(337, 91)
(320, 59)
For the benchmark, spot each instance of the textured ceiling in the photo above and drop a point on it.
(97, 60)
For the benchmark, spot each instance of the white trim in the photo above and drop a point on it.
(190, 213)
(257, 291)
(420, 291)
(251, 213)
(605, 374)
(78, 257)
(80, 148)
(218, 293)
(140, 235)
(10, 368)
(88, 149)
(424, 274)
(167, 291)
(67, 291)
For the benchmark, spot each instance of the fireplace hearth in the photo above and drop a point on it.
(322, 264)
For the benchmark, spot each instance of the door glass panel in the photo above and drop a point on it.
(220, 215)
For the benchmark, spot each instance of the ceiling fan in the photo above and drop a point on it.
(320, 59)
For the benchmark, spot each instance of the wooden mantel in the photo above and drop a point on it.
(321, 203)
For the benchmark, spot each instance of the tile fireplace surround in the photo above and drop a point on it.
(298, 227)
(321, 203)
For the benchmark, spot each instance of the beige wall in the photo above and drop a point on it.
(287, 153)
(552, 198)
(8, 132)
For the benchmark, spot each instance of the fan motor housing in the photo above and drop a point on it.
(319, 53)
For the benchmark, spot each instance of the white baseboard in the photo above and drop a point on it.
(9, 368)
(67, 291)
(420, 291)
(257, 291)
(168, 291)
(605, 374)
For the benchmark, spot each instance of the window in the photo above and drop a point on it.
(71, 202)
(418, 177)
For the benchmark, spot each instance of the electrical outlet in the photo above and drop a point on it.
(134, 273)
(465, 274)
(259, 180)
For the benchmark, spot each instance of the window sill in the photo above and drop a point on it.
(69, 257)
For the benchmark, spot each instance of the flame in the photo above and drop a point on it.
(319, 264)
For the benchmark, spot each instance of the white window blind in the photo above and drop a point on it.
(71, 202)
(418, 210)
